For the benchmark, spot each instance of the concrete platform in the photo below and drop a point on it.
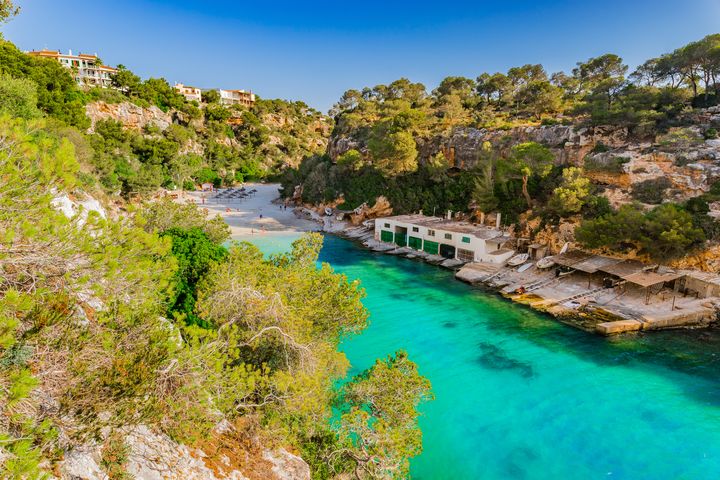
(451, 263)
(620, 326)
(475, 272)
(679, 318)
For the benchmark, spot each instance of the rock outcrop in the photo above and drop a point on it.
(154, 456)
(130, 115)
(570, 144)
(612, 157)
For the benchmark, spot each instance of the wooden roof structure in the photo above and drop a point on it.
(571, 258)
(648, 279)
(624, 268)
(595, 263)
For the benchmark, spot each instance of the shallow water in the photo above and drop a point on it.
(520, 396)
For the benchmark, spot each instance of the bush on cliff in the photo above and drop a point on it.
(665, 232)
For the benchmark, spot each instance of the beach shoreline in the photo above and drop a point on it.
(259, 213)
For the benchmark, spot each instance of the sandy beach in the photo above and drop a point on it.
(255, 214)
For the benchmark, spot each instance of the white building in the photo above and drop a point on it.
(87, 69)
(236, 97)
(451, 239)
(190, 93)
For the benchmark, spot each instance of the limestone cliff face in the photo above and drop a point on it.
(154, 456)
(570, 144)
(612, 157)
(130, 115)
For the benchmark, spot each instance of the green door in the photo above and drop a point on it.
(431, 247)
(401, 239)
(386, 236)
(415, 242)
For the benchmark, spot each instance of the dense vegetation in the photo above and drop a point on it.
(209, 143)
(84, 302)
(392, 132)
(144, 316)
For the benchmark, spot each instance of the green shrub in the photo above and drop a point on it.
(600, 148)
(18, 97)
(651, 191)
(605, 164)
(115, 453)
(665, 232)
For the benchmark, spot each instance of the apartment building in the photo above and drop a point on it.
(236, 97)
(87, 69)
(190, 93)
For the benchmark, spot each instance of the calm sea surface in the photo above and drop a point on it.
(520, 396)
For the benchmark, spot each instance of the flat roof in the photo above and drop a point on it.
(648, 279)
(500, 240)
(704, 276)
(569, 259)
(595, 263)
(436, 223)
(624, 268)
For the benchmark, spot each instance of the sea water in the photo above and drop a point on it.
(521, 396)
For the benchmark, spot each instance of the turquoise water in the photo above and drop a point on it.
(520, 396)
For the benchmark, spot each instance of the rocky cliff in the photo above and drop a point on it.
(611, 156)
(130, 115)
(154, 456)
(286, 136)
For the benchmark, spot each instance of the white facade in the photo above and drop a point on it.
(86, 68)
(190, 93)
(236, 97)
(460, 240)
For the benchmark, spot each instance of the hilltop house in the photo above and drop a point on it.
(190, 93)
(87, 69)
(236, 97)
(451, 239)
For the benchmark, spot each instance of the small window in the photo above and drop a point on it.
(448, 236)
(431, 233)
(466, 239)
(387, 225)
(416, 229)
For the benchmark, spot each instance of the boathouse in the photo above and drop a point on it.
(701, 284)
(463, 241)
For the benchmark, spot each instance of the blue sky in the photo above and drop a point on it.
(314, 51)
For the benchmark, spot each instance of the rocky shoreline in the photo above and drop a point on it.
(599, 319)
